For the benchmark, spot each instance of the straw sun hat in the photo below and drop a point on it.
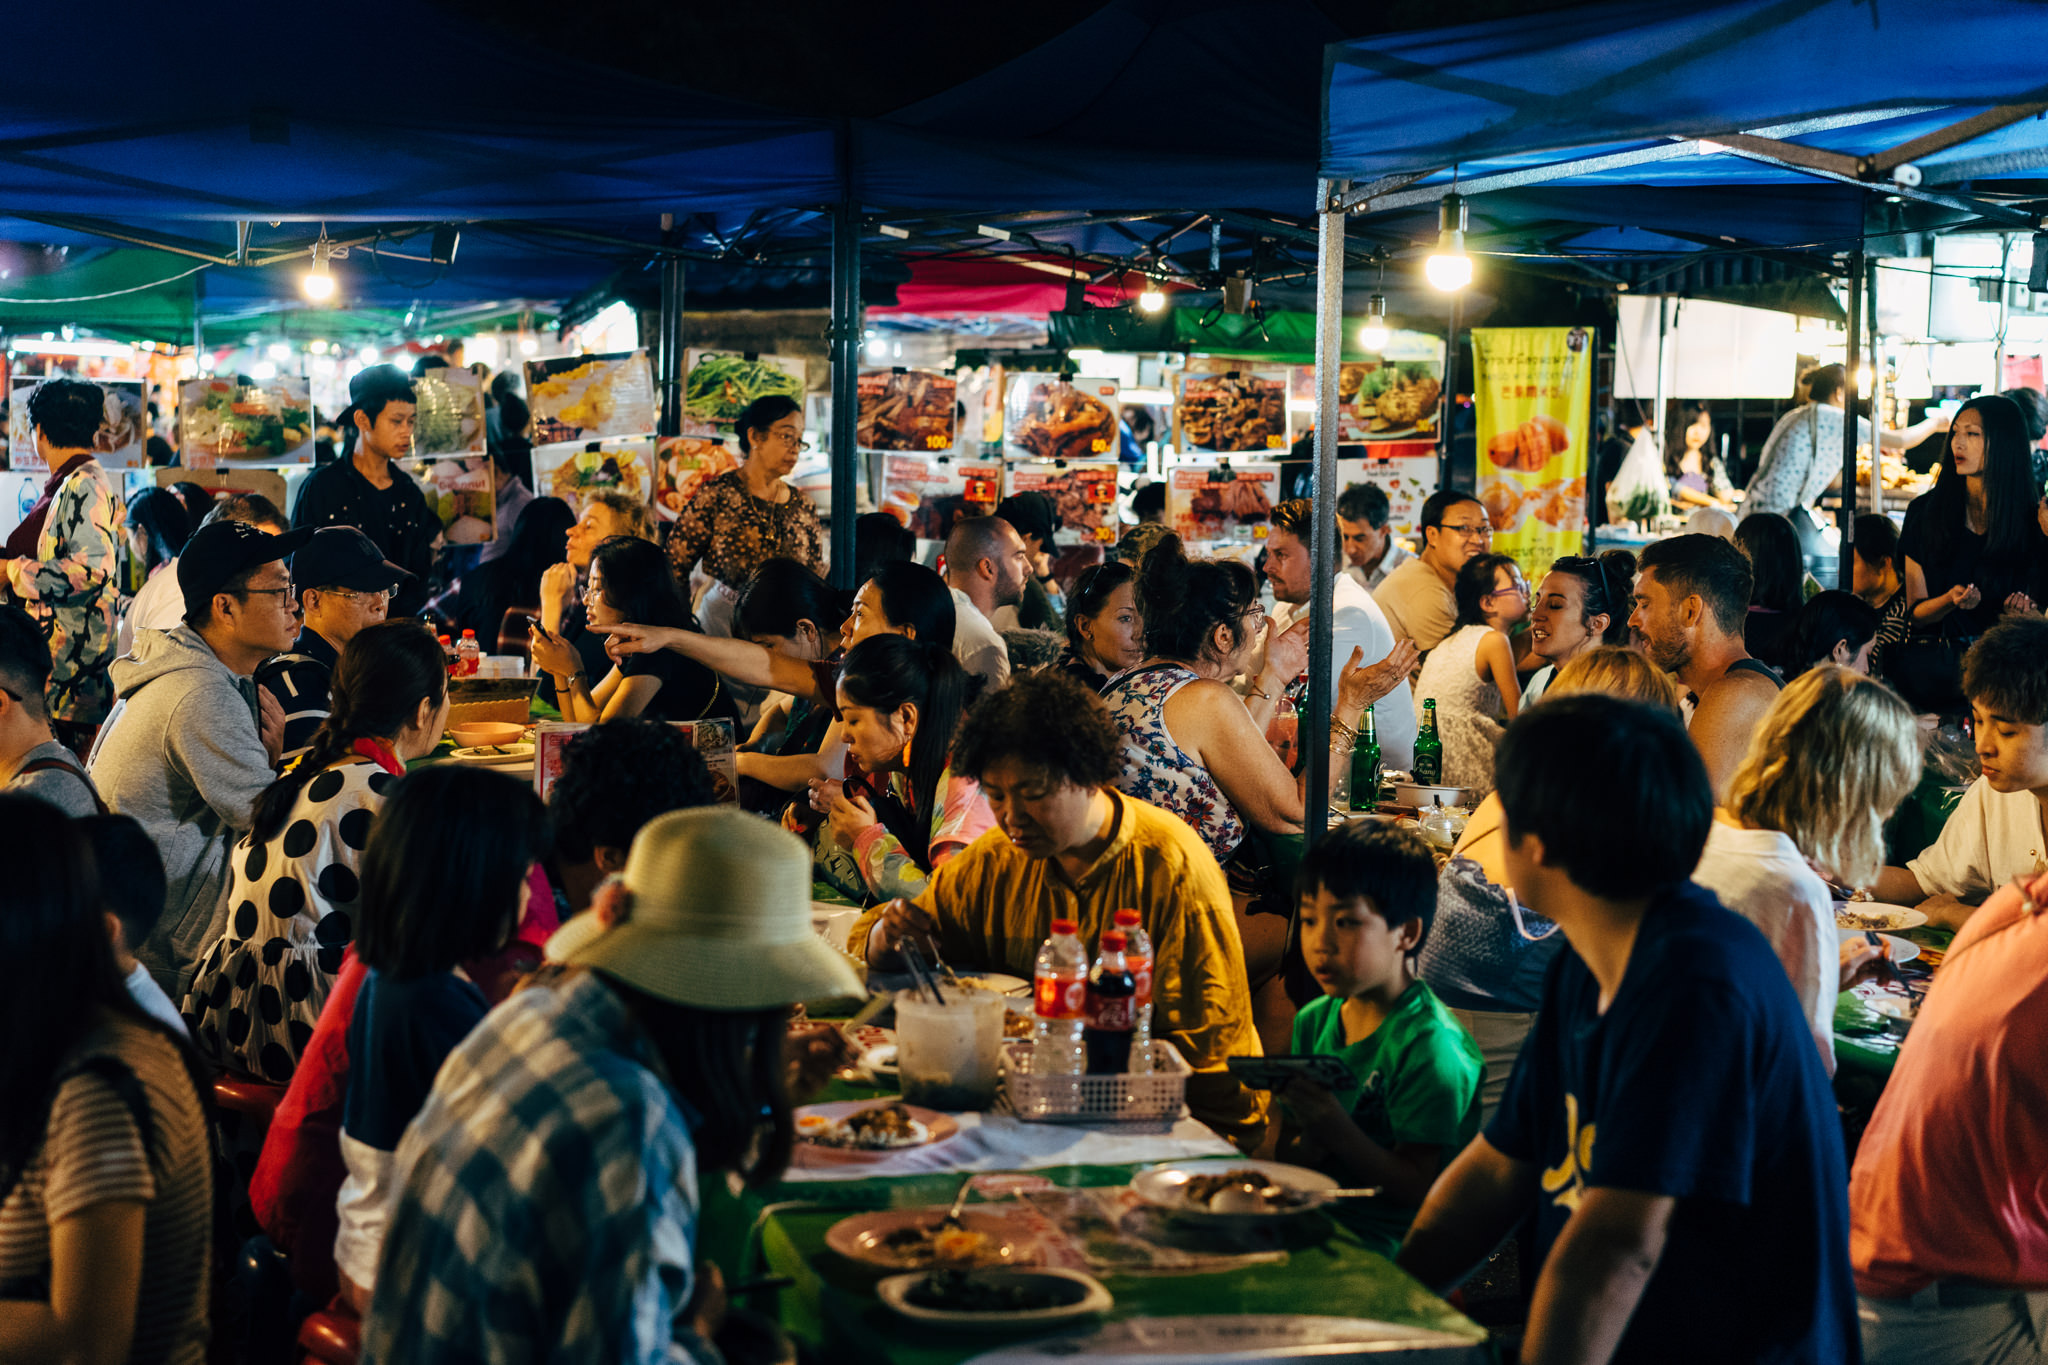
(721, 917)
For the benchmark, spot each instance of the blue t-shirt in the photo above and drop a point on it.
(1700, 1082)
(400, 1034)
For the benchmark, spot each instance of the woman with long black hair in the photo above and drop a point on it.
(1973, 544)
(106, 1189)
(295, 878)
(630, 581)
(540, 537)
(792, 613)
(903, 811)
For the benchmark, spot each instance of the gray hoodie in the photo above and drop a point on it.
(180, 752)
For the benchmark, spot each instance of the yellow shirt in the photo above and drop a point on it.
(995, 904)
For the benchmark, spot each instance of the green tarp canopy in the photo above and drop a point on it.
(1283, 338)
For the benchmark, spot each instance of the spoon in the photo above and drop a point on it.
(952, 1218)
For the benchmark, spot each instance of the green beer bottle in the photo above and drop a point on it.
(1365, 766)
(1429, 750)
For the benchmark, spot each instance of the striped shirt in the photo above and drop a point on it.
(301, 682)
(93, 1153)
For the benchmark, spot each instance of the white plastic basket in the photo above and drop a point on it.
(1158, 1094)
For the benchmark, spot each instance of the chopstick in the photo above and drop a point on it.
(1887, 970)
(920, 973)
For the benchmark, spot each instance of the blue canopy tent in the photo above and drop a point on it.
(1752, 124)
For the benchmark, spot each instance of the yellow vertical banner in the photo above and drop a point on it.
(1534, 390)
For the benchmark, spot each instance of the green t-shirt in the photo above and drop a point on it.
(1416, 1081)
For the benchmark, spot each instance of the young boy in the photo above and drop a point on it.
(1669, 1121)
(132, 885)
(1367, 893)
(1999, 831)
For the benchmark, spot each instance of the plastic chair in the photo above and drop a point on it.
(512, 637)
(237, 1094)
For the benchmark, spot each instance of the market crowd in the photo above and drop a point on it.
(503, 1045)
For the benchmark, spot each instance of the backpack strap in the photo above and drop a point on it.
(48, 765)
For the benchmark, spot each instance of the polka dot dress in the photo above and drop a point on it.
(292, 902)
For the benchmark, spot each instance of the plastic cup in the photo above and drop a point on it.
(947, 1055)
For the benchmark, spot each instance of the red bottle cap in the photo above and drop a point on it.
(1066, 926)
(1112, 942)
(1127, 917)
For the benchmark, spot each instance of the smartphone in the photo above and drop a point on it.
(1272, 1073)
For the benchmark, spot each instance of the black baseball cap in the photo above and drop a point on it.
(343, 557)
(1030, 514)
(217, 553)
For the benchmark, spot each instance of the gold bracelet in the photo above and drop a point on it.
(1338, 729)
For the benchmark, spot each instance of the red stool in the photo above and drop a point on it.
(246, 1095)
(331, 1336)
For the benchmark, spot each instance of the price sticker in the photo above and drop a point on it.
(981, 490)
(936, 442)
(1102, 491)
(1274, 442)
(1099, 445)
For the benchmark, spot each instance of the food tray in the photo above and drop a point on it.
(473, 699)
(1161, 1094)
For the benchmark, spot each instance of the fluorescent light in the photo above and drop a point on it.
(1448, 267)
(263, 369)
(368, 355)
(984, 230)
(318, 348)
(280, 350)
(29, 346)
(527, 345)
(891, 230)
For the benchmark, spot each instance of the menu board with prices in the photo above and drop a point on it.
(1057, 417)
(1222, 502)
(1083, 494)
(904, 409)
(1232, 412)
(930, 493)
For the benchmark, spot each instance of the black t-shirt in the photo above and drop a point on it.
(396, 518)
(689, 690)
(1701, 1081)
(1962, 560)
(589, 648)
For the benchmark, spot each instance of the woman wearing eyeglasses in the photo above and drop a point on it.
(630, 581)
(1580, 605)
(745, 517)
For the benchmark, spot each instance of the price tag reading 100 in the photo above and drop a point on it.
(937, 442)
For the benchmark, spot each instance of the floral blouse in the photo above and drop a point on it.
(1159, 771)
(879, 867)
(734, 533)
(70, 590)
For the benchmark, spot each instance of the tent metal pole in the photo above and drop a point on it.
(1659, 389)
(846, 337)
(669, 353)
(1448, 401)
(1876, 389)
(1845, 519)
(1315, 720)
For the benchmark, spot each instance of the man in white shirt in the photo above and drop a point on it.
(1357, 624)
(2000, 829)
(1369, 546)
(986, 567)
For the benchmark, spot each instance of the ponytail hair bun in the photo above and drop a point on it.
(1183, 601)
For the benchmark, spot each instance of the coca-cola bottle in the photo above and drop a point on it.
(1112, 1007)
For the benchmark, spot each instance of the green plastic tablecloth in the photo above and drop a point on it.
(833, 1307)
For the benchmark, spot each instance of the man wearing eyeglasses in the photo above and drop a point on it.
(345, 583)
(192, 741)
(1416, 597)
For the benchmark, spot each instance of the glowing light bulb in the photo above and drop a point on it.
(527, 345)
(1152, 300)
(1373, 335)
(263, 370)
(280, 350)
(1448, 267)
(368, 355)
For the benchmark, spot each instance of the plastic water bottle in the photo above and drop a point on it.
(1059, 993)
(468, 655)
(1138, 953)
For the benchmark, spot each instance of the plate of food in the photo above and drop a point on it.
(919, 1239)
(1861, 915)
(1232, 1189)
(988, 1300)
(997, 983)
(1896, 948)
(492, 754)
(846, 1131)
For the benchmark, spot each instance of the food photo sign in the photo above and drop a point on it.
(450, 413)
(903, 409)
(590, 397)
(572, 470)
(1083, 493)
(719, 385)
(1057, 417)
(224, 423)
(119, 444)
(1221, 502)
(1235, 412)
(930, 493)
(1406, 471)
(462, 491)
(1533, 388)
(681, 465)
(712, 739)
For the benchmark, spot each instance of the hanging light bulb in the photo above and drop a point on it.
(1152, 300)
(1373, 335)
(1448, 267)
(319, 281)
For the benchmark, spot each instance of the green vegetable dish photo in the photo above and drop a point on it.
(722, 383)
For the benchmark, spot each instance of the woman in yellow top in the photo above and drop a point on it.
(1069, 845)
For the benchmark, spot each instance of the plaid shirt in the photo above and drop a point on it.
(548, 1198)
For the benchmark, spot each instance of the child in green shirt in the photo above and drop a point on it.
(1367, 894)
